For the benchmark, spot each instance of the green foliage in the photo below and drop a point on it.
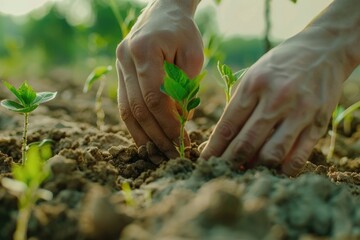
(183, 91)
(180, 87)
(26, 186)
(41, 150)
(229, 78)
(339, 114)
(294, 1)
(97, 74)
(28, 99)
(128, 194)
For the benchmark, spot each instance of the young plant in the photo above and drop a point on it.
(26, 187)
(182, 90)
(339, 115)
(229, 78)
(42, 150)
(98, 74)
(27, 101)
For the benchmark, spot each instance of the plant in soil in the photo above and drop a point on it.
(229, 78)
(26, 187)
(27, 101)
(99, 73)
(183, 91)
(339, 115)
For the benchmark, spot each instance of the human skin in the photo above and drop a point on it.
(164, 31)
(280, 109)
(284, 102)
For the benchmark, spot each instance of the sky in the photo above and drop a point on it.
(235, 17)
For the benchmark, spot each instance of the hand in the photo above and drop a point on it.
(164, 31)
(283, 104)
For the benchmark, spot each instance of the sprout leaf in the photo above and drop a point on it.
(96, 74)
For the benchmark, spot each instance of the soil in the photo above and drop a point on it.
(177, 198)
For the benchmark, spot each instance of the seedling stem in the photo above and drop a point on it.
(24, 138)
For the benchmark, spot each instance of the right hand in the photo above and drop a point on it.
(164, 31)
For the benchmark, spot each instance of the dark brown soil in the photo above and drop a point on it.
(177, 198)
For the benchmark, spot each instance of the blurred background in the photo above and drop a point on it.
(66, 39)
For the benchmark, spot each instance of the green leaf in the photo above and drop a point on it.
(11, 105)
(14, 91)
(27, 94)
(96, 74)
(294, 1)
(43, 97)
(193, 94)
(173, 89)
(176, 73)
(20, 174)
(193, 104)
(219, 1)
(42, 150)
(240, 74)
(16, 107)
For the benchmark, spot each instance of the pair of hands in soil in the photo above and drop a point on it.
(278, 112)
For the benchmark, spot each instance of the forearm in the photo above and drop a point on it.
(341, 24)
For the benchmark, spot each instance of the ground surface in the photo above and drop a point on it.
(177, 198)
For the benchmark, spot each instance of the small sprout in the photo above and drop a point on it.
(41, 150)
(98, 74)
(27, 101)
(182, 90)
(128, 195)
(339, 115)
(229, 78)
(26, 187)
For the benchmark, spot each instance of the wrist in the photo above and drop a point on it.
(339, 26)
(187, 6)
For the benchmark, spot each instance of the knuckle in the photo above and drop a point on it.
(274, 156)
(196, 58)
(152, 101)
(121, 51)
(243, 150)
(139, 112)
(125, 112)
(225, 130)
(138, 47)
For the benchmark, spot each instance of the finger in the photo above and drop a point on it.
(233, 119)
(150, 72)
(134, 128)
(140, 111)
(302, 149)
(278, 146)
(251, 137)
(190, 60)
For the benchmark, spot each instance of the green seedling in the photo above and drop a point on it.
(98, 73)
(339, 115)
(229, 78)
(128, 194)
(27, 101)
(41, 150)
(26, 187)
(182, 90)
